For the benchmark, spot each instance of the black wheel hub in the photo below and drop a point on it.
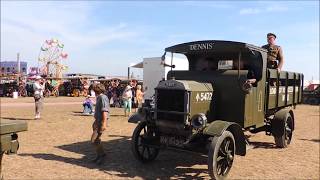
(143, 144)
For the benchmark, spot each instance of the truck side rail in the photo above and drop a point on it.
(283, 89)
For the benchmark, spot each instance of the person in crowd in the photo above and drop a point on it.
(139, 96)
(85, 87)
(88, 105)
(29, 89)
(22, 88)
(101, 116)
(48, 88)
(110, 94)
(127, 100)
(133, 99)
(39, 86)
(116, 94)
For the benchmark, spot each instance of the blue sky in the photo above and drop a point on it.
(105, 37)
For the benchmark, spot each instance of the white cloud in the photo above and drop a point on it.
(250, 11)
(206, 4)
(26, 25)
(66, 23)
(274, 8)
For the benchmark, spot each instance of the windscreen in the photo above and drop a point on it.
(251, 61)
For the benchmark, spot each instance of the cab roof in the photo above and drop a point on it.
(213, 46)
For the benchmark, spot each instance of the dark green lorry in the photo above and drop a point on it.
(227, 90)
(312, 96)
(9, 138)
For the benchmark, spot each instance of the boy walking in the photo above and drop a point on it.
(101, 116)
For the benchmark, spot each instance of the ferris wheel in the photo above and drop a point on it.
(51, 57)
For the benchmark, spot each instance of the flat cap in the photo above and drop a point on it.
(271, 34)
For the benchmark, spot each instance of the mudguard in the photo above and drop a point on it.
(143, 114)
(216, 128)
(278, 122)
(136, 118)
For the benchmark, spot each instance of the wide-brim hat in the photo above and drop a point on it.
(38, 77)
(128, 87)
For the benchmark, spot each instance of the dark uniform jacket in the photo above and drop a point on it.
(274, 53)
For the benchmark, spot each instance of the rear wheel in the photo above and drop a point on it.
(142, 141)
(313, 101)
(285, 139)
(221, 155)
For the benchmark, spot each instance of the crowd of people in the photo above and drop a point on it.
(128, 96)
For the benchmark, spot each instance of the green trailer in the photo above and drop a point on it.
(9, 143)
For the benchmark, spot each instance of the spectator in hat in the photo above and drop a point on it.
(38, 95)
(127, 100)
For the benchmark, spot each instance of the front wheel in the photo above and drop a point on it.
(142, 139)
(221, 155)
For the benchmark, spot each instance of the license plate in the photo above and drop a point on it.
(171, 140)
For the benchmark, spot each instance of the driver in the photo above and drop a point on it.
(251, 79)
(206, 64)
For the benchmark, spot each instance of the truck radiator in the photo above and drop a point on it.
(170, 105)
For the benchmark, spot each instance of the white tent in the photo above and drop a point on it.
(138, 65)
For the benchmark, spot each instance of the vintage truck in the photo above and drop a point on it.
(9, 138)
(311, 94)
(227, 90)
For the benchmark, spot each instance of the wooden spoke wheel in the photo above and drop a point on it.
(221, 155)
(141, 143)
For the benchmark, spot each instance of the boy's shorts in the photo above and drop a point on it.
(96, 134)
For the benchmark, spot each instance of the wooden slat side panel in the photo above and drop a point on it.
(12, 126)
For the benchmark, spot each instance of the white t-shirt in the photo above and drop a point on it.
(127, 94)
(93, 94)
(38, 88)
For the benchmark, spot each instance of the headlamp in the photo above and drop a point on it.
(199, 121)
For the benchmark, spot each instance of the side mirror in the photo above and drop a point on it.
(163, 57)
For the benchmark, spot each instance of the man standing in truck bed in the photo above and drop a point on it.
(274, 53)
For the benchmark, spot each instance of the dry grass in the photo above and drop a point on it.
(57, 147)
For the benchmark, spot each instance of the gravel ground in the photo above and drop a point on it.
(57, 147)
